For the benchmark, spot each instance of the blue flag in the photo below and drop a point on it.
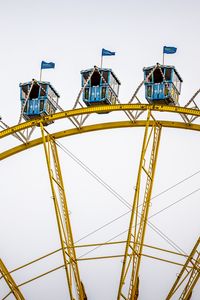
(169, 50)
(45, 65)
(107, 52)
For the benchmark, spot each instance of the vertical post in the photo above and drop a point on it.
(62, 217)
(136, 232)
(163, 58)
(101, 60)
(40, 74)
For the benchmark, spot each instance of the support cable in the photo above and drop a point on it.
(151, 225)
(85, 253)
(107, 224)
(112, 221)
(119, 197)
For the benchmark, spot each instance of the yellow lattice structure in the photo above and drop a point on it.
(129, 285)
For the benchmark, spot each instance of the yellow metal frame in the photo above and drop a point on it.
(10, 282)
(111, 125)
(62, 217)
(100, 109)
(137, 227)
(95, 127)
(136, 232)
(190, 270)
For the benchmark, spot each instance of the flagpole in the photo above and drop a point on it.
(40, 74)
(101, 61)
(163, 57)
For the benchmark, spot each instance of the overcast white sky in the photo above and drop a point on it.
(72, 34)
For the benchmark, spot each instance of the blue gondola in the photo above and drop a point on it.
(40, 97)
(102, 88)
(163, 86)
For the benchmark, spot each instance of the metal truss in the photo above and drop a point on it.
(69, 114)
(62, 217)
(129, 281)
(191, 272)
(10, 282)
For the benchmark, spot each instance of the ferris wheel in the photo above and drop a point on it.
(101, 105)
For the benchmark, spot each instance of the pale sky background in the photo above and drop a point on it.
(72, 34)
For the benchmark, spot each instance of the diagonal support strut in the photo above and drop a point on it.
(10, 282)
(62, 217)
(192, 275)
(129, 281)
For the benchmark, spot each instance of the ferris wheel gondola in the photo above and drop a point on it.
(162, 84)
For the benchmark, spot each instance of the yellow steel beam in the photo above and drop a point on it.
(10, 282)
(94, 258)
(129, 280)
(121, 255)
(96, 127)
(190, 271)
(62, 217)
(139, 233)
(98, 109)
(101, 244)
